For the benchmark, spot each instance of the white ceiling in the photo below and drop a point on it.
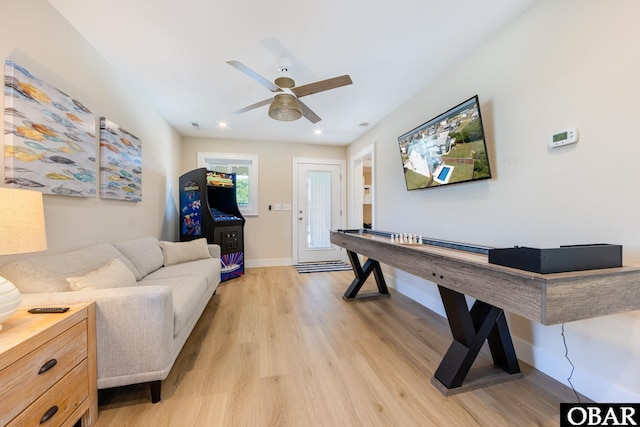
(175, 53)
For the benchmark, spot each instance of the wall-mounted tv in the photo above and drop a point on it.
(448, 149)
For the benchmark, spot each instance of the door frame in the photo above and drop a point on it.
(357, 195)
(295, 208)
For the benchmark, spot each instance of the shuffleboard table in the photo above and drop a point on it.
(459, 269)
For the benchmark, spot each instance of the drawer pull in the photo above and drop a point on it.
(50, 413)
(50, 364)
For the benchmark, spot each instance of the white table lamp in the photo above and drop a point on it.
(21, 230)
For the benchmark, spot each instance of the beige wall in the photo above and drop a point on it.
(268, 236)
(35, 36)
(562, 64)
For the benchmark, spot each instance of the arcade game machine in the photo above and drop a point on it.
(208, 208)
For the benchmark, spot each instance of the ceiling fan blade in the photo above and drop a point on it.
(322, 85)
(308, 114)
(254, 106)
(255, 76)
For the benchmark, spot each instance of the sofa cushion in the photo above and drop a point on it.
(209, 267)
(48, 273)
(179, 252)
(187, 293)
(113, 274)
(145, 254)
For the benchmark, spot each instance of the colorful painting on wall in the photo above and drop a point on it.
(120, 163)
(50, 142)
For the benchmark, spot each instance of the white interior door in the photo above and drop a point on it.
(318, 211)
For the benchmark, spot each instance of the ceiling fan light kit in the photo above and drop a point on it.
(285, 107)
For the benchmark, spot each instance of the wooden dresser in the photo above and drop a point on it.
(48, 373)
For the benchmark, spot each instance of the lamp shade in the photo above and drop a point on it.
(285, 107)
(21, 222)
(21, 230)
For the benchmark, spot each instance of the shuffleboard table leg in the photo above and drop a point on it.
(362, 273)
(470, 329)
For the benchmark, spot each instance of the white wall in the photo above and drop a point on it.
(562, 64)
(268, 236)
(36, 36)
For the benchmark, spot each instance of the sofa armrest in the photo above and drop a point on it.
(214, 250)
(134, 328)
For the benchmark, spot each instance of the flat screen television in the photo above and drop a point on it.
(448, 149)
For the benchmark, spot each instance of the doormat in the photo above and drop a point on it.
(318, 267)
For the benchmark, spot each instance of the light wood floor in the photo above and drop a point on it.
(278, 348)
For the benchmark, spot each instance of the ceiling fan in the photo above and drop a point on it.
(286, 104)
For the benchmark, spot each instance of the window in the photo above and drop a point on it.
(245, 166)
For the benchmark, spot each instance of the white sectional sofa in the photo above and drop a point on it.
(143, 321)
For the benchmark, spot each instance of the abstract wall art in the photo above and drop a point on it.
(120, 163)
(50, 142)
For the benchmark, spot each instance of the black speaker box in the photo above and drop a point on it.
(558, 260)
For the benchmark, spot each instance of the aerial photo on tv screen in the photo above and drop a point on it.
(447, 149)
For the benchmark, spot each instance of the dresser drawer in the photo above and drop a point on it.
(21, 381)
(59, 402)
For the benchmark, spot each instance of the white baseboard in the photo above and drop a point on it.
(268, 262)
(555, 365)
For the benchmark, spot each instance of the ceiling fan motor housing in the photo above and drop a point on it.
(285, 82)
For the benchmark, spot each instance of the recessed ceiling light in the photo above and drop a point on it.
(222, 124)
(318, 131)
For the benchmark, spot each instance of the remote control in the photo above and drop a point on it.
(47, 310)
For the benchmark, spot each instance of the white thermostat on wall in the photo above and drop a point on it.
(565, 137)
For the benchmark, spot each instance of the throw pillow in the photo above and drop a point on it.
(144, 253)
(177, 252)
(113, 274)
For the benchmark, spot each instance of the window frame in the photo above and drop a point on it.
(207, 157)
